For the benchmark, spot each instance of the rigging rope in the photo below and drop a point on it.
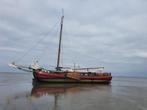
(44, 51)
(35, 45)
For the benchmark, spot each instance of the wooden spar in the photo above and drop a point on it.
(89, 68)
(59, 48)
(21, 67)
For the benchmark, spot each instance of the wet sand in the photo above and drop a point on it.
(19, 92)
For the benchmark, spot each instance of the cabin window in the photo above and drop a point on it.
(90, 74)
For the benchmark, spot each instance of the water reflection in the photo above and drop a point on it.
(40, 89)
(24, 95)
(66, 96)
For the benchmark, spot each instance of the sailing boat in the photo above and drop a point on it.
(66, 75)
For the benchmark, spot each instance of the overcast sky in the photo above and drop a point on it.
(109, 33)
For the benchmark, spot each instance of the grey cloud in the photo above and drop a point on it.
(96, 33)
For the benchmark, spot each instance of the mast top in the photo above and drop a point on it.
(62, 12)
(62, 17)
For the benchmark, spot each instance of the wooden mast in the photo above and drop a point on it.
(59, 48)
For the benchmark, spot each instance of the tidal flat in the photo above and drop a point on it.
(18, 91)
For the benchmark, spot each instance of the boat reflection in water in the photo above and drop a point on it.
(68, 95)
(40, 88)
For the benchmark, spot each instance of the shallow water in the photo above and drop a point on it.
(19, 92)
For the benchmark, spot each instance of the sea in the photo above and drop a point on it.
(18, 91)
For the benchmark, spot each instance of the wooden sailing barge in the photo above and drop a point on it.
(60, 74)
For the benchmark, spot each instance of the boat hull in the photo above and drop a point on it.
(62, 78)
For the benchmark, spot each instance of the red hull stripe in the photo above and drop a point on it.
(48, 75)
